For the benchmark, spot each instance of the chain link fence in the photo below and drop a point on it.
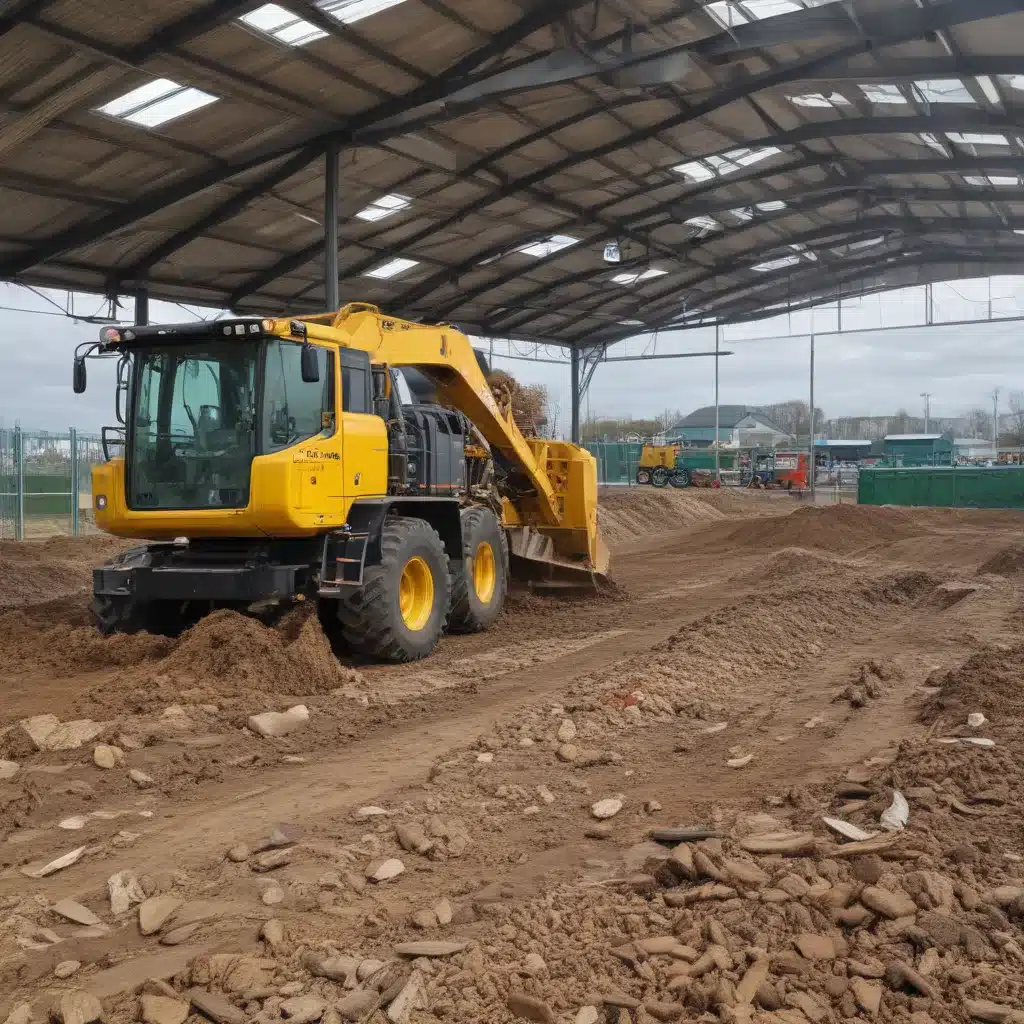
(46, 482)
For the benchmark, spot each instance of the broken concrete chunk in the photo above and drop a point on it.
(75, 912)
(163, 1010)
(124, 891)
(358, 1005)
(215, 1006)
(428, 948)
(410, 997)
(77, 1007)
(384, 870)
(889, 904)
(155, 912)
(606, 808)
(527, 1007)
(271, 860)
(140, 778)
(303, 1009)
(42, 868)
(785, 843)
(275, 724)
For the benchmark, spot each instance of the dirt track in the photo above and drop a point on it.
(826, 640)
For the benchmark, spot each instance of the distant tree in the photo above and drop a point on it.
(979, 423)
(1013, 424)
(793, 417)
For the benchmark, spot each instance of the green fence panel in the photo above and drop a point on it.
(960, 487)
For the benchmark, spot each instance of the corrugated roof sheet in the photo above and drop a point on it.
(839, 148)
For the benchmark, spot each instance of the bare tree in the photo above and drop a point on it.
(1013, 432)
(979, 423)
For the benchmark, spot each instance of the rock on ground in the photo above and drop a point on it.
(275, 724)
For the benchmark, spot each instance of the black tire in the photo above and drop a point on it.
(470, 612)
(680, 478)
(660, 477)
(643, 476)
(371, 620)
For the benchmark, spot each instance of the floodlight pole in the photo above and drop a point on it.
(810, 443)
(574, 369)
(142, 308)
(332, 171)
(718, 454)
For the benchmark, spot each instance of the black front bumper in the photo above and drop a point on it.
(218, 571)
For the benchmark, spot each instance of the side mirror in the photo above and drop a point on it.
(310, 364)
(78, 377)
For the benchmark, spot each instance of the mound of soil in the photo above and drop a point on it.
(990, 681)
(59, 636)
(628, 515)
(842, 528)
(33, 571)
(1008, 561)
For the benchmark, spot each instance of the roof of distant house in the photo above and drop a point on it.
(728, 417)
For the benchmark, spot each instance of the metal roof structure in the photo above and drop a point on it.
(738, 156)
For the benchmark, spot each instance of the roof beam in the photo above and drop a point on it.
(224, 211)
(542, 14)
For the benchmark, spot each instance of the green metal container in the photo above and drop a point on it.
(945, 487)
(705, 460)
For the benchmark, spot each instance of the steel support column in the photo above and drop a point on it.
(577, 395)
(142, 308)
(332, 169)
(810, 424)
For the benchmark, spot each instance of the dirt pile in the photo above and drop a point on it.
(59, 637)
(630, 515)
(990, 681)
(842, 528)
(33, 571)
(230, 657)
(1007, 562)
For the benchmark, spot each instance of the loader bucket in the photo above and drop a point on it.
(535, 561)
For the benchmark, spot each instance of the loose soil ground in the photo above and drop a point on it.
(756, 666)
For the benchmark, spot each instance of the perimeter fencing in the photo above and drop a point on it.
(46, 482)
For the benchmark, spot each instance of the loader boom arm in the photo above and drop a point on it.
(446, 356)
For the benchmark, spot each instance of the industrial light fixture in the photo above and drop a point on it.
(612, 253)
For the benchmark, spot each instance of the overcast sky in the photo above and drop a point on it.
(856, 373)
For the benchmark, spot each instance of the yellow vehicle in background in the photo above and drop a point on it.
(270, 461)
(657, 463)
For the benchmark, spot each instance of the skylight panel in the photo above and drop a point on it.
(742, 213)
(281, 24)
(772, 206)
(722, 164)
(348, 12)
(819, 99)
(385, 206)
(549, 246)
(391, 269)
(643, 275)
(631, 323)
(729, 13)
(977, 139)
(1013, 81)
(864, 243)
(156, 103)
(943, 90)
(988, 87)
(776, 264)
(705, 223)
(994, 180)
(878, 92)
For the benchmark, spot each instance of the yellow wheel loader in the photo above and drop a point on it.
(269, 461)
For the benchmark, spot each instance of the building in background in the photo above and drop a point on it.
(919, 449)
(739, 426)
(841, 451)
(973, 448)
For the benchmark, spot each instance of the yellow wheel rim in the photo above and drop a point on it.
(416, 593)
(485, 575)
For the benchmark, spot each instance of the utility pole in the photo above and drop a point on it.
(927, 396)
(718, 454)
(995, 422)
(812, 470)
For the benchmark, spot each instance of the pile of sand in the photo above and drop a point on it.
(1008, 561)
(32, 571)
(627, 516)
(990, 681)
(830, 527)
